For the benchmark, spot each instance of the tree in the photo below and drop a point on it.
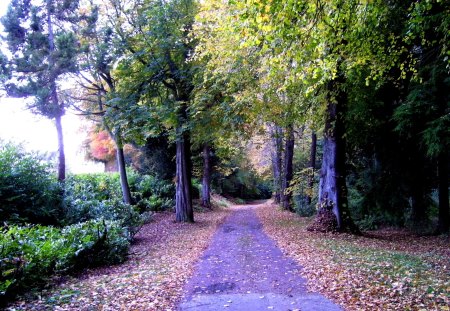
(312, 165)
(155, 79)
(424, 116)
(276, 135)
(44, 51)
(101, 148)
(99, 51)
(288, 169)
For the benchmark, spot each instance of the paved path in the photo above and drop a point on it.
(243, 269)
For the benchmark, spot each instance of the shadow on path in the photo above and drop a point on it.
(243, 269)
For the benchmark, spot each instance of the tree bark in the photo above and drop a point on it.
(288, 169)
(120, 160)
(277, 147)
(54, 98)
(333, 214)
(122, 170)
(183, 201)
(206, 181)
(61, 153)
(444, 210)
(312, 165)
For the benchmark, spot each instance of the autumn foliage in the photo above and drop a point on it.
(101, 146)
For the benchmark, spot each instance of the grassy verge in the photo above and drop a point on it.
(161, 260)
(383, 270)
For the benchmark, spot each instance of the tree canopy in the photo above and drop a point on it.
(365, 81)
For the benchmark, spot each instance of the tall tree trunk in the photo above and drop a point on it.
(120, 160)
(312, 166)
(122, 169)
(206, 180)
(61, 154)
(444, 210)
(417, 189)
(183, 195)
(288, 169)
(54, 98)
(183, 201)
(277, 147)
(418, 205)
(333, 211)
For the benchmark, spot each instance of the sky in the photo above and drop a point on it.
(17, 124)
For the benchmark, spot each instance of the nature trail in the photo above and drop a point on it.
(243, 269)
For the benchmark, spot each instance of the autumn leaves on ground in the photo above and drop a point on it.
(384, 270)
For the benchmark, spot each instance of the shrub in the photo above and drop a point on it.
(97, 196)
(156, 194)
(29, 191)
(302, 207)
(29, 255)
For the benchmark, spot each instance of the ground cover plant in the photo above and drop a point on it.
(31, 255)
(50, 229)
(151, 279)
(380, 270)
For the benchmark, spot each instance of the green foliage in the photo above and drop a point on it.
(43, 50)
(29, 191)
(243, 183)
(30, 255)
(95, 196)
(156, 194)
(302, 207)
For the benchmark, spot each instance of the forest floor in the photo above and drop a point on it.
(387, 269)
(258, 255)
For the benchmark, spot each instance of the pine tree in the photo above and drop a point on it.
(43, 49)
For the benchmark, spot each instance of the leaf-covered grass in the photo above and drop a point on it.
(382, 270)
(160, 261)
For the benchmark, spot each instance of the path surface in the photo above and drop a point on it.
(243, 269)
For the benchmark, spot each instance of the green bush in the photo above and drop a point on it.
(29, 191)
(29, 255)
(157, 194)
(97, 196)
(89, 196)
(302, 207)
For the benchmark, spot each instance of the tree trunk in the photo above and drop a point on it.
(206, 181)
(277, 140)
(333, 214)
(418, 205)
(122, 170)
(120, 161)
(288, 169)
(61, 154)
(183, 204)
(54, 98)
(312, 166)
(444, 211)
